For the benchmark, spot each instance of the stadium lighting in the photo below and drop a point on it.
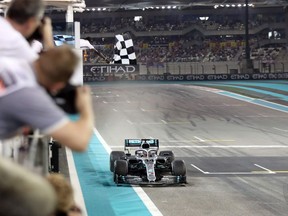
(163, 7)
(203, 18)
(78, 10)
(137, 18)
(169, 7)
(93, 9)
(233, 5)
(79, 5)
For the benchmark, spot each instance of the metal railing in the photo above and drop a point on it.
(35, 152)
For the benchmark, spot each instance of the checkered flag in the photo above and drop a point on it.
(124, 50)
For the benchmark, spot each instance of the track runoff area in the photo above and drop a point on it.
(234, 146)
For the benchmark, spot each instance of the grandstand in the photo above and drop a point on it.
(189, 39)
(189, 36)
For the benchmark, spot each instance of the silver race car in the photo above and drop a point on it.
(146, 166)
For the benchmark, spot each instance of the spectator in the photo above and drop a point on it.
(64, 193)
(23, 193)
(74, 211)
(24, 101)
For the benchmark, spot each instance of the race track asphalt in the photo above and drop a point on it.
(235, 148)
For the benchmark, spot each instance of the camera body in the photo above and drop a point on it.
(37, 34)
(66, 99)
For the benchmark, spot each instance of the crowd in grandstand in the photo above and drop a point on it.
(189, 47)
(173, 23)
(184, 50)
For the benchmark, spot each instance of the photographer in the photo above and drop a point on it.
(25, 102)
(23, 18)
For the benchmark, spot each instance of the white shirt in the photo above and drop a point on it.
(13, 44)
(15, 74)
(37, 46)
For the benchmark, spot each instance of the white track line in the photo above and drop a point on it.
(189, 146)
(201, 140)
(78, 195)
(268, 170)
(129, 122)
(280, 129)
(234, 173)
(189, 141)
(140, 192)
(239, 173)
(199, 169)
(224, 146)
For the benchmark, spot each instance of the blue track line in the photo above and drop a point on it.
(280, 96)
(276, 85)
(256, 101)
(102, 197)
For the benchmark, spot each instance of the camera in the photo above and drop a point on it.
(37, 34)
(66, 99)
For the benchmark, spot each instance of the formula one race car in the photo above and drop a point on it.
(146, 166)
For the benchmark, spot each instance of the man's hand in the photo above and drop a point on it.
(84, 102)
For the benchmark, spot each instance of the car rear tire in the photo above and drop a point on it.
(178, 168)
(115, 155)
(169, 154)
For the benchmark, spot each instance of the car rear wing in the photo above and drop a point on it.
(131, 143)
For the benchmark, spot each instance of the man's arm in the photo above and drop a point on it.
(34, 108)
(85, 44)
(106, 59)
(47, 33)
